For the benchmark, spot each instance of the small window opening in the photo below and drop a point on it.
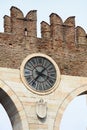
(25, 32)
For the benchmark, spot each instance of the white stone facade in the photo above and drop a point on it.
(20, 103)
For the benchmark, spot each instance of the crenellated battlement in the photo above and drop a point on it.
(65, 32)
(18, 24)
(61, 32)
(63, 41)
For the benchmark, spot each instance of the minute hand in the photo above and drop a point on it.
(39, 74)
(42, 70)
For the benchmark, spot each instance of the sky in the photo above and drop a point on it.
(65, 9)
(75, 115)
(5, 123)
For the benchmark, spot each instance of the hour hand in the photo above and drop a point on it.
(41, 74)
(44, 75)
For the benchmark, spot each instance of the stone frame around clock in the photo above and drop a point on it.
(58, 77)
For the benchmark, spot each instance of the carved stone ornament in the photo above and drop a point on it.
(41, 109)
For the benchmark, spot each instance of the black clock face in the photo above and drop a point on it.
(40, 73)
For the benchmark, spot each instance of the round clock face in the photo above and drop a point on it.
(39, 73)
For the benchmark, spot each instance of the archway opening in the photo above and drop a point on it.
(11, 110)
(5, 123)
(75, 115)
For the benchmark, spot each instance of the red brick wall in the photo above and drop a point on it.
(64, 42)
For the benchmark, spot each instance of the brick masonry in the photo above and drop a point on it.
(63, 41)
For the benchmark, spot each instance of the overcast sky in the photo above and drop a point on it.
(65, 9)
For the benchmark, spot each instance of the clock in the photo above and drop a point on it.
(39, 73)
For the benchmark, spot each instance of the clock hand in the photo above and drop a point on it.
(46, 76)
(43, 70)
(35, 80)
(42, 74)
(37, 72)
(38, 75)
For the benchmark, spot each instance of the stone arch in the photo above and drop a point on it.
(13, 107)
(78, 91)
